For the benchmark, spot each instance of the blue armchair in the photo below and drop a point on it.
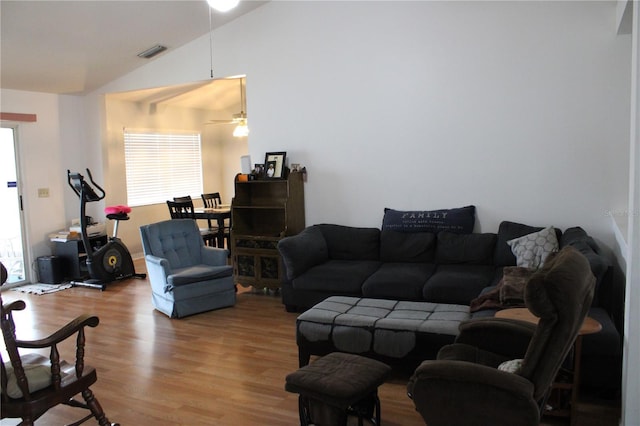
(186, 276)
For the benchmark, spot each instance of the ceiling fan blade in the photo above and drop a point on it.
(220, 121)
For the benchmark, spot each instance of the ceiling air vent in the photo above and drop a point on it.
(153, 51)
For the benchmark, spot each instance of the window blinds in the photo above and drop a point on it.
(161, 165)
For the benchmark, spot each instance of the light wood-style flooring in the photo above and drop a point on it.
(224, 367)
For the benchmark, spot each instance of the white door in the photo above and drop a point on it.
(11, 231)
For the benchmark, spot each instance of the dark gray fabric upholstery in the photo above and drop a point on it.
(398, 246)
(458, 284)
(474, 249)
(464, 268)
(335, 383)
(339, 379)
(388, 328)
(560, 293)
(402, 281)
(341, 276)
(351, 243)
(307, 249)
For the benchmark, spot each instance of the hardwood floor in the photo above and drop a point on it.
(224, 367)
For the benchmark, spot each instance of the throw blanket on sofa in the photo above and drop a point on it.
(508, 293)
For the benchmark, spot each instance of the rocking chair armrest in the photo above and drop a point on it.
(62, 334)
(506, 337)
(17, 305)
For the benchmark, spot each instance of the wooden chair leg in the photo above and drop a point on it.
(95, 408)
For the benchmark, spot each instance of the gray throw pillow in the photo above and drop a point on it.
(531, 250)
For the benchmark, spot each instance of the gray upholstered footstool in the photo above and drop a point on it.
(336, 385)
(392, 331)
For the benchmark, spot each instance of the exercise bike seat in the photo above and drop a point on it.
(118, 212)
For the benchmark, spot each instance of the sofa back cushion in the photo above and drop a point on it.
(351, 243)
(459, 220)
(407, 246)
(474, 249)
(600, 265)
(177, 240)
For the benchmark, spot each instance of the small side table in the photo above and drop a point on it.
(589, 326)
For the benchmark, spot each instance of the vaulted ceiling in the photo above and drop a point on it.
(75, 47)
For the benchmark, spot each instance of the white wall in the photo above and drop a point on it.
(631, 344)
(45, 149)
(519, 108)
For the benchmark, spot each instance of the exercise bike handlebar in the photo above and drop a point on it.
(82, 188)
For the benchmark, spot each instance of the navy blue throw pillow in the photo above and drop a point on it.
(459, 221)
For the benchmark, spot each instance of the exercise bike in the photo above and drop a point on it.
(111, 262)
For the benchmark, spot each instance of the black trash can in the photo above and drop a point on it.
(50, 270)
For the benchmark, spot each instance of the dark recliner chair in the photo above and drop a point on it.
(464, 385)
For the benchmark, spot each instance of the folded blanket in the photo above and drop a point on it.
(508, 293)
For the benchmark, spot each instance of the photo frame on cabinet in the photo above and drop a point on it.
(258, 170)
(274, 165)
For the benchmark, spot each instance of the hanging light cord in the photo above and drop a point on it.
(242, 98)
(211, 40)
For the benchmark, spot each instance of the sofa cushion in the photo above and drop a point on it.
(459, 220)
(407, 246)
(458, 284)
(302, 251)
(532, 250)
(37, 368)
(197, 273)
(503, 256)
(342, 276)
(399, 281)
(351, 243)
(474, 249)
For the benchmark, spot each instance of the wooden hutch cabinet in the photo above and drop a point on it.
(262, 213)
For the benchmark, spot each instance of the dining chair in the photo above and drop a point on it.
(212, 200)
(183, 199)
(185, 210)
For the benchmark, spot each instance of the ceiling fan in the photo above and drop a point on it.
(240, 119)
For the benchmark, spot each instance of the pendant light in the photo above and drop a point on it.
(242, 129)
(223, 5)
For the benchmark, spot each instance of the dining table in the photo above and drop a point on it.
(219, 214)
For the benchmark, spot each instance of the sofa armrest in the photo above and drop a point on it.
(214, 256)
(302, 251)
(506, 337)
(458, 392)
(158, 269)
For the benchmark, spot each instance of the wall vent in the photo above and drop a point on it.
(153, 51)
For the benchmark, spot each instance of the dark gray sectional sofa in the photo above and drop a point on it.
(442, 267)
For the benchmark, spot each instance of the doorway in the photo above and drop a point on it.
(11, 230)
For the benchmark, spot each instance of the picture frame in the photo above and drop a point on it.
(274, 164)
(259, 170)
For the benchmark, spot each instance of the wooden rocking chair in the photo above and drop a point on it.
(31, 384)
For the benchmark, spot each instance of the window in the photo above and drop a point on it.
(161, 165)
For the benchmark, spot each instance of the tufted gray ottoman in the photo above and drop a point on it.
(389, 330)
(336, 385)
